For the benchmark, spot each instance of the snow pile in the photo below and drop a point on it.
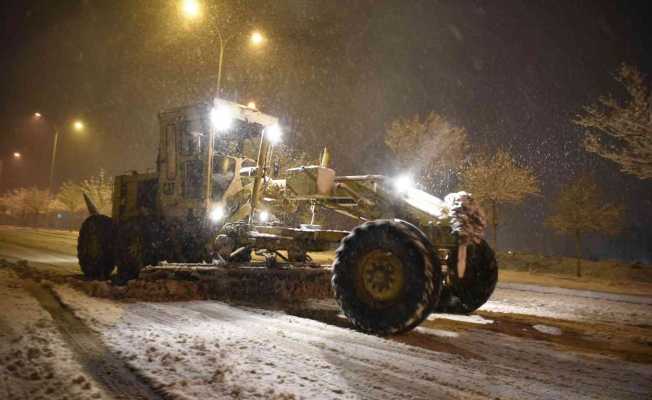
(470, 319)
(547, 329)
(467, 218)
(34, 360)
(437, 332)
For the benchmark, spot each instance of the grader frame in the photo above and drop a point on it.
(209, 202)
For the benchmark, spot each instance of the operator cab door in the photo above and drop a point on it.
(183, 160)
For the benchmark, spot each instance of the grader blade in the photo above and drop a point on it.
(237, 282)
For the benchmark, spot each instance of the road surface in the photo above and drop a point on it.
(527, 342)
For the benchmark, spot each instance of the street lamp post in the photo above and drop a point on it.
(77, 125)
(256, 39)
(54, 156)
(192, 10)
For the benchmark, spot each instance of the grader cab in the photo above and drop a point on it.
(212, 200)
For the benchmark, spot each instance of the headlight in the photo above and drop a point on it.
(221, 118)
(216, 214)
(403, 183)
(273, 133)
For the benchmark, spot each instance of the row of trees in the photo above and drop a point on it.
(31, 203)
(439, 154)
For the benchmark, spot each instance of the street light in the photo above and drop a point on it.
(191, 9)
(77, 125)
(17, 155)
(256, 38)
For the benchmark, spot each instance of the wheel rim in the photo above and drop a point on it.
(135, 249)
(381, 276)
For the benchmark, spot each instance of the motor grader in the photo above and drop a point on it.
(214, 198)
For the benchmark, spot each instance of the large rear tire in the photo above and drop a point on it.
(384, 277)
(95, 247)
(476, 286)
(137, 245)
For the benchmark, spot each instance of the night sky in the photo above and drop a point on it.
(336, 72)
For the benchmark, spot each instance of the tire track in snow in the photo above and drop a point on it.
(371, 366)
(97, 359)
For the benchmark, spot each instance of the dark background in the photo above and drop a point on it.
(512, 72)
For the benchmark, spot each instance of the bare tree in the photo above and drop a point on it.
(495, 180)
(432, 147)
(37, 201)
(580, 208)
(100, 190)
(69, 198)
(13, 203)
(622, 131)
(28, 201)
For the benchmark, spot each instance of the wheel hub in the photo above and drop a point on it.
(382, 275)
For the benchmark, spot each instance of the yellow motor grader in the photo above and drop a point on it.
(213, 197)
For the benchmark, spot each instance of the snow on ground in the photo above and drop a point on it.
(547, 329)
(572, 305)
(205, 349)
(34, 360)
(471, 319)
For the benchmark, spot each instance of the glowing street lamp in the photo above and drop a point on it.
(78, 126)
(191, 9)
(17, 155)
(256, 38)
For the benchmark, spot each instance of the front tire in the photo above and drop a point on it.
(384, 277)
(95, 247)
(476, 286)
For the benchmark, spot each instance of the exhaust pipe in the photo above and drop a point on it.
(92, 209)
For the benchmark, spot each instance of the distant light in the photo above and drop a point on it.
(221, 118)
(17, 155)
(273, 133)
(257, 38)
(403, 183)
(263, 216)
(191, 8)
(252, 105)
(216, 214)
(37, 115)
(78, 125)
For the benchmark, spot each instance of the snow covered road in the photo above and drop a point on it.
(570, 304)
(527, 342)
(200, 349)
